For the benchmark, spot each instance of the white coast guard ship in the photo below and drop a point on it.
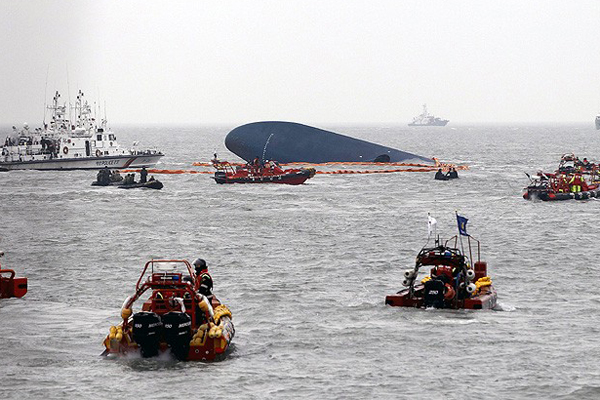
(64, 144)
(426, 119)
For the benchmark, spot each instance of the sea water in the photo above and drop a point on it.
(305, 270)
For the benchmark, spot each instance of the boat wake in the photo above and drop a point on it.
(504, 307)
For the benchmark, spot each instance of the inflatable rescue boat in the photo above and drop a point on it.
(574, 179)
(553, 189)
(173, 318)
(10, 285)
(452, 283)
(151, 184)
(259, 172)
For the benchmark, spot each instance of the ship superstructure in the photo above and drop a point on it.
(426, 119)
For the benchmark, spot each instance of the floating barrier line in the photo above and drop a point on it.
(410, 168)
(336, 172)
(375, 171)
(169, 171)
(437, 165)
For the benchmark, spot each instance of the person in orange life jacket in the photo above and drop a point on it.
(203, 278)
(445, 274)
(442, 273)
(563, 184)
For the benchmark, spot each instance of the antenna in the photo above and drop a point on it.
(69, 95)
(45, 95)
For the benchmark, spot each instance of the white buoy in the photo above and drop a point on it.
(409, 273)
(470, 274)
(471, 288)
(406, 282)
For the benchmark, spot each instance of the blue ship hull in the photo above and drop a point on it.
(288, 142)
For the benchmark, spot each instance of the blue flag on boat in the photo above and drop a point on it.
(462, 225)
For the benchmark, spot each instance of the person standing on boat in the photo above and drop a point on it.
(203, 278)
(576, 183)
(143, 175)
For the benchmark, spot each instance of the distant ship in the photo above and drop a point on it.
(598, 121)
(426, 119)
(69, 144)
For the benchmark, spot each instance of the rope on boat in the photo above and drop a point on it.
(481, 282)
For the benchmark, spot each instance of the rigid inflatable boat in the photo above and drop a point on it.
(452, 283)
(151, 184)
(173, 318)
(260, 172)
(574, 179)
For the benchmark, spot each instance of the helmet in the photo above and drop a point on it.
(199, 263)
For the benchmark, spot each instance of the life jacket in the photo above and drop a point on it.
(440, 270)
(204, 282)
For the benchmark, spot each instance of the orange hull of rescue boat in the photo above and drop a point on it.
(254, 173)
(484, 300)
(10, 286)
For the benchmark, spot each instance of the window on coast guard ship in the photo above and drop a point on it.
(99, 138)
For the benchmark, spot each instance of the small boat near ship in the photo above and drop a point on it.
(574, 179)
(453, 282)
(150, 184)
(108, 178)
(114, 178)
(65, 144)
(426, 119)
(10, 285)
(260, 172)
(174, 317)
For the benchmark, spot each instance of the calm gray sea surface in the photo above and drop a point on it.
(305, 270)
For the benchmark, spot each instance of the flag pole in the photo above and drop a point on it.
(428, 229)
(462, 249)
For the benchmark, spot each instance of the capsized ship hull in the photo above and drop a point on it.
(292, 142)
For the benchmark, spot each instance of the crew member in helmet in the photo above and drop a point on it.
(203, 278)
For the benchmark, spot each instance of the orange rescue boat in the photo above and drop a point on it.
(10, 285)
(453, 283)
(174, 317)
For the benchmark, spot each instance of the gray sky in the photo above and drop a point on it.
(304, 61)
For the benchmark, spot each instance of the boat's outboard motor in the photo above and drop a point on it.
(434, 293)
(178, 332)
(146, 332)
